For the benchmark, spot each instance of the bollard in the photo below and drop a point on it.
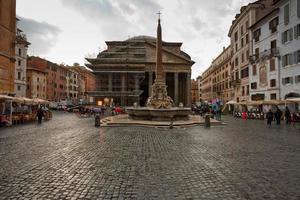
(97, 120)
(171, 123)
(207, 120)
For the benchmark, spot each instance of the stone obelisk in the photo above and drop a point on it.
(159, 98)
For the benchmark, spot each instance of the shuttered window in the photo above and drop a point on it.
(287, 80)
(286, 14)
(273, 25)
(272, 64)
(254, 70)
(256, 35)
(297, 79)
(273, 82)
(298, 8)
(297, 31)
(287, 36)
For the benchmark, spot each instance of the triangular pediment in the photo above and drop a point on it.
(168, 55)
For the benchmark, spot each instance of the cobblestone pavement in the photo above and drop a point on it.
(68, 158)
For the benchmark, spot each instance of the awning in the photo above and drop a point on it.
(231, 102)
(5, 97)
(294, 100)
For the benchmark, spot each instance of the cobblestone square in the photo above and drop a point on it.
(68, 158)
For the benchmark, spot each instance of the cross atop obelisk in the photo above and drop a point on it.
(159, 14)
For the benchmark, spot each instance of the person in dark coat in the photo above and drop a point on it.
(278, 115)
(269, 117)
(287, 115)
(40, 115)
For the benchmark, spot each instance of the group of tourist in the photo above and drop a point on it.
(290, 118)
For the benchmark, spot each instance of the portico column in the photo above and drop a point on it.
(176, 88)
(150, 82)
(122, 89)
(137, 88)
(110, 82)
(188, 89)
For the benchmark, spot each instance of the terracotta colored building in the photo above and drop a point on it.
(87, 83)
(7, 45)
(56, 77)
(36, 82)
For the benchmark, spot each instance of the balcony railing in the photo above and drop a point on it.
(274, 52)
(236, 82)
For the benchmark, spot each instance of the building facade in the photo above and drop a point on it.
(125, 71)
(215, 81)
(198, 79)
(289, 30)
(7, 45)
(36, 82)
(194, 92)
(72, 86)
(21, 64)
(264, 67)
(240, 37)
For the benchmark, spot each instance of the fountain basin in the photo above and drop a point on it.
(152, 114)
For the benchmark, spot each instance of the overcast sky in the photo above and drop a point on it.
(70, 30)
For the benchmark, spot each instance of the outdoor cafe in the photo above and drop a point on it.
(17, 110)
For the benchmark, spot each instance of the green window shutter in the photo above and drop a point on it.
(291, 34)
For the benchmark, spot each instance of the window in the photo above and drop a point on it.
(256, 53)
(243, 57)
(38, 79)
(286, 14)
(37, 87)
(236, 75)
(236, 61)
(296, 57)
(298, 8)
(247, 39)
(297, 79)
(243, 90)
(235, 36)
(287, 80)
(247, 24)
(19, 87)
(242, 30)
(248, 90)
(253, 70)
(273, 25)
(20, 52)
(256, 35)
(242, 42)
(273, 96)
(287, 60)
(272, 65)
(236, 47)
(254, 86)
(247, 54)
(245, 73)
(19, 62)
(297, 31)
(273, 82)
(19, 75)
(287, 36)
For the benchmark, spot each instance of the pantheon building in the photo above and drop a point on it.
(125, 72)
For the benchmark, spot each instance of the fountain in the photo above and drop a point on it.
(159, 106)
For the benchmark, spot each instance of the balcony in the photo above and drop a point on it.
(236, 82)
(266, 54)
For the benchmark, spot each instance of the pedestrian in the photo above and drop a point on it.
(287, 115)
(244, 115)
(40, 115)
(270, 117)
(278, 115)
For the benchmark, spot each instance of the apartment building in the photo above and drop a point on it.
(264, 70)
(21, 63)
(240, 36)
(7, 45)
(289, 30)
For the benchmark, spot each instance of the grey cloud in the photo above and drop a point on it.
(41, 35)
(116, 18)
